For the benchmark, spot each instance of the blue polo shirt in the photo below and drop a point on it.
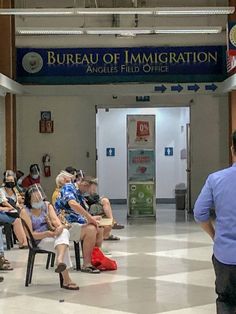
(219, 193)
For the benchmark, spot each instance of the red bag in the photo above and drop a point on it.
(101, 262)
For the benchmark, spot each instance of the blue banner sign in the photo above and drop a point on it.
(113, 65)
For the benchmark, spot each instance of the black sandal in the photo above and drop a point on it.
(112, 237)
(6, 267)
(70, 286)
(60, 268)
(90, 269)
(5, 264)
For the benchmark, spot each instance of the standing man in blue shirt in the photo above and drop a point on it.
(219, 192)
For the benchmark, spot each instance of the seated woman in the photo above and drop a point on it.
(36, 214)
(10, 205)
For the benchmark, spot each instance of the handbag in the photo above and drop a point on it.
(62, 219)
(102, 262)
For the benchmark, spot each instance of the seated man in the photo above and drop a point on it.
(84, 226)
(97, 205)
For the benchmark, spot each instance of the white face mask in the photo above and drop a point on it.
(20, 181)
(37, 205)
(35, 176)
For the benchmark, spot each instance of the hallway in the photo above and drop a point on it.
(163, 267)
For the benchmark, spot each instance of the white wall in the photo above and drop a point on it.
(72, 140)
(111, 132)
(2, 136)
(75, 131)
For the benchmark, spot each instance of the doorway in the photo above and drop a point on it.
(172, 131)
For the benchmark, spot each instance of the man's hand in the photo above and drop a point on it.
(93, 221)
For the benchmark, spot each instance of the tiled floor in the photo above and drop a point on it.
(164, 266)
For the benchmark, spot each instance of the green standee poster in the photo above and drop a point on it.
(141, 199)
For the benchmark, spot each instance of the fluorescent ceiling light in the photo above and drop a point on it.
(120, 11)
(189, 30)
(37, 12)
(119, 31)
(50, 31)
(194, 10)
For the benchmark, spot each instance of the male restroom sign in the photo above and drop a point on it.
(110, 151)
(169, 151)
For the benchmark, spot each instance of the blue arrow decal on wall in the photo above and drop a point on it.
(211, 87)
(161, 88)
(176, 88)
(194, 87)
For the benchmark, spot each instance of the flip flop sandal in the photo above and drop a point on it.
(60, 268)
(4, 260)
(112, 238)
(117, 226)
(6, 267)
(90, 269)
(70, 287)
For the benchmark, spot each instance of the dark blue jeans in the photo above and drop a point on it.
(225, 285)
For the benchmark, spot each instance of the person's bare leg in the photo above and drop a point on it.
(99, 237)
(88, 236)
(107, 207)
(61, 249)
(67, 281)
(19, 232)
(106, 232)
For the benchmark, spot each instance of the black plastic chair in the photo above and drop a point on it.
(7, 230)
(77, 254)
(33, 250)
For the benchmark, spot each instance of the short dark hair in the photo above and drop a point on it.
(34, 166)
(234, 141)
(71, 170)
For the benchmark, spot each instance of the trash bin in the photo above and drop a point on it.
(180, 196)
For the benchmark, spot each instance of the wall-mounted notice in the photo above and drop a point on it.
(141, 131)
(141, 165)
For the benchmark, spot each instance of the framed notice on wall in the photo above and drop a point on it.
(141, 198)
(141, 131)
(141, 165)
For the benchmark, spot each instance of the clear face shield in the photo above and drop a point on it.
(9, 179)
(34, 172)
(37, 195)
(79, 175)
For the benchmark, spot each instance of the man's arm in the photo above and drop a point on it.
(208, 227)
(203, 205)
(79, 209)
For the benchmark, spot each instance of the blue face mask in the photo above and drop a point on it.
(37, 205)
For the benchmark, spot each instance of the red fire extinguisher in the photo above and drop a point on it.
(46, 165)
